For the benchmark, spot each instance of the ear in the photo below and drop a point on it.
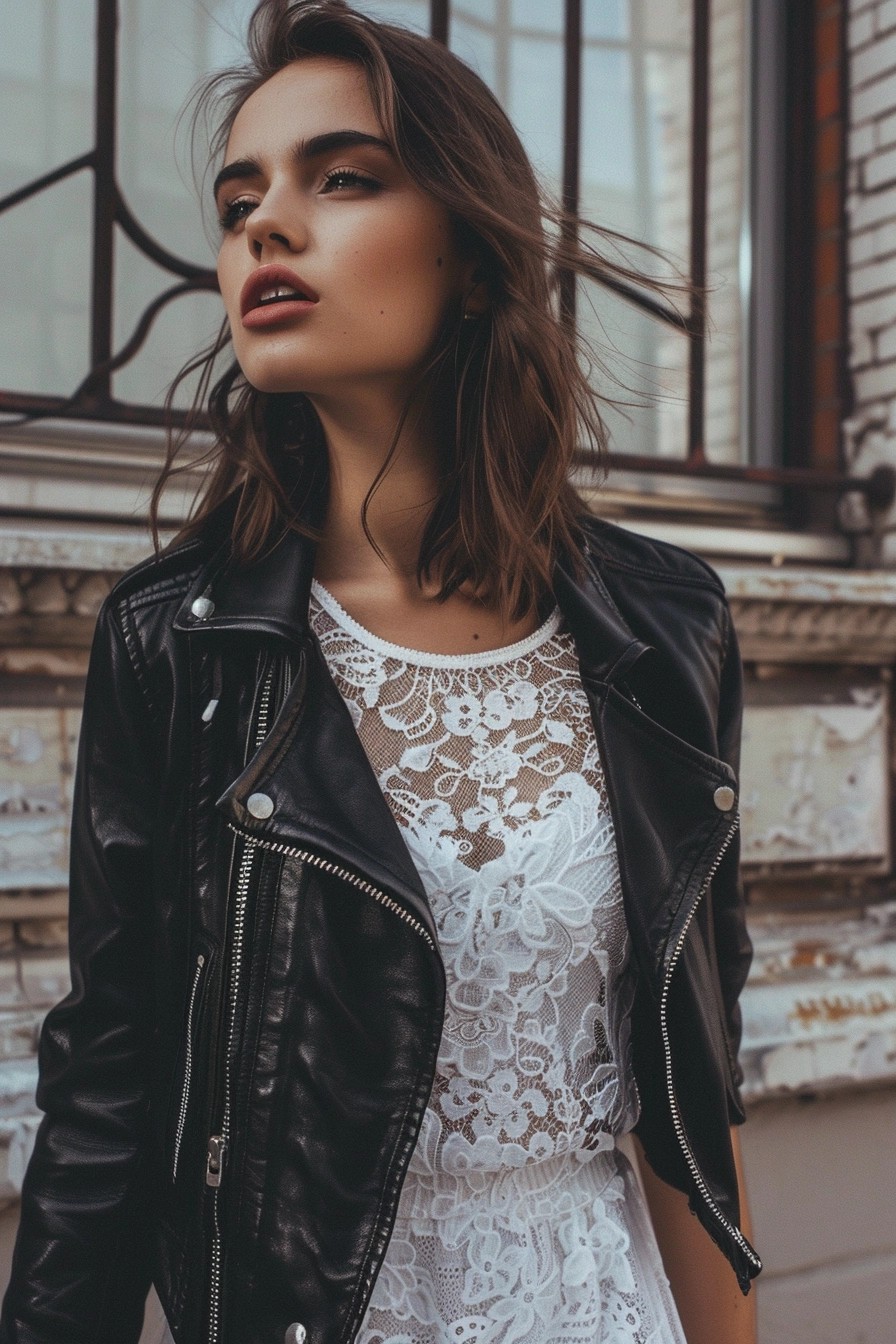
(475, 290)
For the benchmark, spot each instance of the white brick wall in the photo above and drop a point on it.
(872, 210)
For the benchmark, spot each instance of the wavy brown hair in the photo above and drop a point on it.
(513, 388)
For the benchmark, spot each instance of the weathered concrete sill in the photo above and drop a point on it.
(820, 1005)
(793, 614)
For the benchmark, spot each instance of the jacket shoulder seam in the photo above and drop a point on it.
(653, 572)
(726, 638)
(164, 592)
(135, 654)
(601, 531)
(128, 596)
(127, 586)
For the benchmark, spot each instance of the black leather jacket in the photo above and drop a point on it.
(234, 1085)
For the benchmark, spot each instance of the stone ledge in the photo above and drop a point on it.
(796, 614)
(88, 547)
(820, 1005)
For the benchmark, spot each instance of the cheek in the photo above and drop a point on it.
(228, 281)
(405, 270)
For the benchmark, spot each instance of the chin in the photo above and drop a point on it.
(269, 377)
(271, 383)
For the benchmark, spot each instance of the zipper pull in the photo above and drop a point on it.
(214, 1167)
(217, 682)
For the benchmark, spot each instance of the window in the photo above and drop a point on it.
(612, 98)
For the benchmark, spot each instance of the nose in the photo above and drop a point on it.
(276, 224)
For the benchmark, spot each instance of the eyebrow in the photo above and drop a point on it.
(243, 169)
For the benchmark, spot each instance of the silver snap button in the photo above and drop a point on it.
(724, 798)
(202, 608)
(295, 1334)
(259, 805)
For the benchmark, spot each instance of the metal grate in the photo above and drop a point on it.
(93, 398)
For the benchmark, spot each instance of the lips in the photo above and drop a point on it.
(272, 288)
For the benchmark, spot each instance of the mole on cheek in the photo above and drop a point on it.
(439, 261)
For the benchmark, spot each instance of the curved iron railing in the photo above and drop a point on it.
(93, 399)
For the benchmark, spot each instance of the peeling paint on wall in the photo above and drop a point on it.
(37, 751)
(814, 780)
(820, 1011)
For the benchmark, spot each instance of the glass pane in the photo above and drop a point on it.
(544, 15)
(642, 370)
(165, 46)
(178, 333)
(46, 88)
(476, 43)
(44, 297)
(409, 13)
(636, 114)
(607, 19)
(728, 151)
(525, 72)
(46, 111)
(635, 178)
(485, 12)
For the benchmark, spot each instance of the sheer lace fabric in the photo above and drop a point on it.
(519, 1219)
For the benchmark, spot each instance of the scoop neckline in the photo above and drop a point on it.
(488, 657)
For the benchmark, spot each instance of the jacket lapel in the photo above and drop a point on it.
(326, 798)
(268, 597)
(311, 764)
(662, 789)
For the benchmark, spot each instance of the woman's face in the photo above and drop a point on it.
(335, 268)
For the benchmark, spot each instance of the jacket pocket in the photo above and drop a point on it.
(199, 974)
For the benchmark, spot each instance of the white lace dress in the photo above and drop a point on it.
(520, 1222)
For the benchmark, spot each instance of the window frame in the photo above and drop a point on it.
(815, 467)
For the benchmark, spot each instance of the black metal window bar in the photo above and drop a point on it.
(93, 398)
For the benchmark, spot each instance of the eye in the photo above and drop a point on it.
(234, 211)
(345, 179)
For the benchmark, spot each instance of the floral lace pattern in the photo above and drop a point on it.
(519, 1220)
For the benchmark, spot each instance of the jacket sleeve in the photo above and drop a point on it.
(734, 950)
(80, 1268)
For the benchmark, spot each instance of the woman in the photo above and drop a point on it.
(403, 861)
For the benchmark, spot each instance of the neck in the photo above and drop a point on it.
(358, 440)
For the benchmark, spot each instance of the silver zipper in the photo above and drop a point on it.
(689, 1158)
(327, 866)
(188, 1066)
(253, 842)
(335, 870)
(218, 1143)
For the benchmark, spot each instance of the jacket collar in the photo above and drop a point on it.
(271, 597)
